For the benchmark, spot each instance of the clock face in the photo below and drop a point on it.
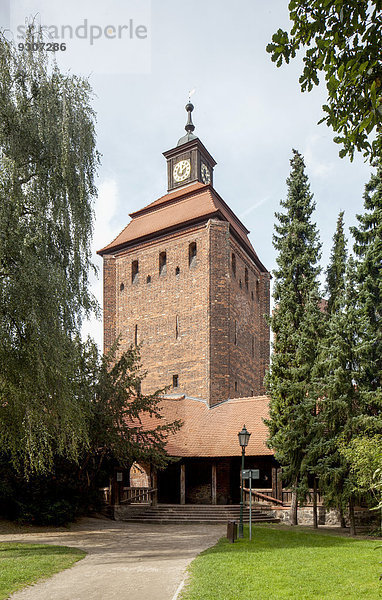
(206, 175)
(182, 170)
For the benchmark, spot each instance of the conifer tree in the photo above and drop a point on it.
(338, 403)
(335, 273)
(368, 249)
(296, 323)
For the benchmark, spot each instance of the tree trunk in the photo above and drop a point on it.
(315, 517)
(342, 517)
(294, 505)
(351, 518)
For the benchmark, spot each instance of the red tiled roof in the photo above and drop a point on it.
(213, 431)
(189, 204)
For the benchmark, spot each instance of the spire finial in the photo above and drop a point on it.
(189, 125)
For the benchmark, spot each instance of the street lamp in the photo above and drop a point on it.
(243, 436)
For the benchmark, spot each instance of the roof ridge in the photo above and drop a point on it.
(171, 197)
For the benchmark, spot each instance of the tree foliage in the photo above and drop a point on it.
(48, 162)
(124, 424)
(338, 398)
(335, 272)
(296, 324)
(343, 41)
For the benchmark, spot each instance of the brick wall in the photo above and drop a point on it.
(199, 321)
(109, 302)
(168, 313)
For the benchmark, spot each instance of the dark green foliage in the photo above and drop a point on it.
(335, 273)
(47, 168)
(343, 40)
(338, 398)
(296, 324)
(368, 250)
(117, 408)
(114, 412)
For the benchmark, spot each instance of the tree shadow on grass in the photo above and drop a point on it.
(16, 550)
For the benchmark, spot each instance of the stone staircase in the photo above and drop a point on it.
(197, 513)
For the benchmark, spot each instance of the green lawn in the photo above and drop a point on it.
(287, 564)
(23, 564)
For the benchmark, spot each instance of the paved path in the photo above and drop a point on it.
(129, 561)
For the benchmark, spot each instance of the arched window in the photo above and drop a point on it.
(162, 263)
(233, 264)
(192, 254)
(134, 271)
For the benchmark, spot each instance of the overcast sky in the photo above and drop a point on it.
(248, 113)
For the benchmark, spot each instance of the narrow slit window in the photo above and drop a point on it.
(252, 296)
(134, 271)
(235, 386)
(235, 334)
(177, 327)
(233, 264)
(257, 288)
(122, 287)
(136, 335)
(192, 254)
(246, 278)
(253, 346)
(148, 280)
(175, 381)
(162, 263)
(177, 271)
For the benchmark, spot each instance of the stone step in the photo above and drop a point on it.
(144, 519)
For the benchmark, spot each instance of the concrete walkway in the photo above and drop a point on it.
(129, 561)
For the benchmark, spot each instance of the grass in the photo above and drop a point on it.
(286, 564)
(23, 564)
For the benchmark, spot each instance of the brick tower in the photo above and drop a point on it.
(183, 280)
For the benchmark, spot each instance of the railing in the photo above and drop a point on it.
(287, 498)
(137, 495)
(267, 497)
(129, 495)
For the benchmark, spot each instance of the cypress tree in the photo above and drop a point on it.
(296, 325)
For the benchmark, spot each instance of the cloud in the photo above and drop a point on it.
(315, 146)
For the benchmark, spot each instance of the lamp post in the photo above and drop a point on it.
(243, 436)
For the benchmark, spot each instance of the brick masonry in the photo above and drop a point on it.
(199, 321)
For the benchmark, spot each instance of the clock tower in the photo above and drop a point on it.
(190, 160)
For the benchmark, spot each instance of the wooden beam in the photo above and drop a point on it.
(154, 484)
(274, 482)
(279, 494)
(183, 483)
(213, 483)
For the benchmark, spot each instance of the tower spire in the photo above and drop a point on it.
(189, 127)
